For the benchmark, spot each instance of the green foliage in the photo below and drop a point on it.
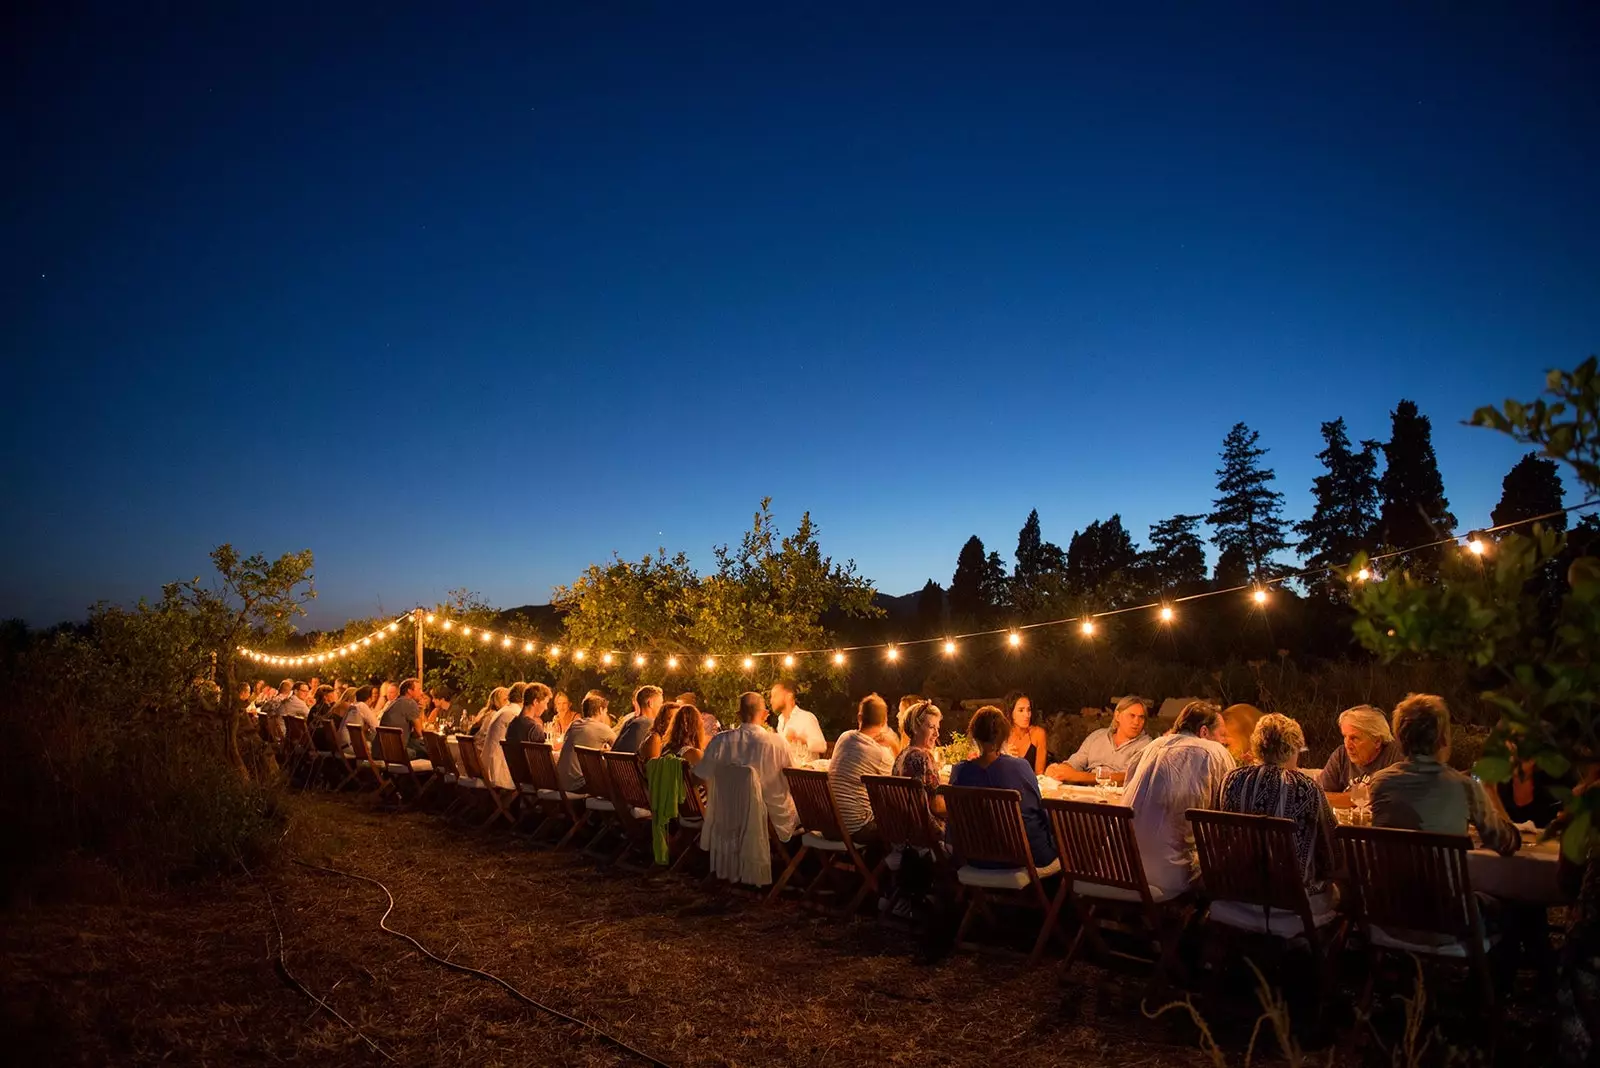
(1038, 578)
(1344, 519)
(1532, 488)
(1247, 514)
(1102, 565)
(771, 593)
(1546, 671)
(1414, 509)
(1175, 563)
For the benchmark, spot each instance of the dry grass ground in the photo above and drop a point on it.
(690, 978)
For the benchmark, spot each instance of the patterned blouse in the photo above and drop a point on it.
(917, 763)
(1271, 790)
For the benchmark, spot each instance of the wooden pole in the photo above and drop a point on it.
(416, 617)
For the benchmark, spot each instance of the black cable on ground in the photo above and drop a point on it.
(384, 924)
(288, 977)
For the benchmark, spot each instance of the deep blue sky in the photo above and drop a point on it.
(473, 299)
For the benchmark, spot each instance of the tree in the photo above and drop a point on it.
(1039, 567)
(1344, 520)
(1175, 563)
(1102, 564)
(769, 594)
(1247, 511)
(1232, 570)
(968, 597)
(930, 608)
(1546, 678)
(995, 585)
(1414, 510)
(250, 597)
(1531, 488)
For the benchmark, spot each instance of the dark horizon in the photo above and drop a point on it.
(475, 305)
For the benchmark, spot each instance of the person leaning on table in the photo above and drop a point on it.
(1113, 747)
(1422, 793)
(1368, 748)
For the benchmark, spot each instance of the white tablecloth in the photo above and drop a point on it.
(1530, 875)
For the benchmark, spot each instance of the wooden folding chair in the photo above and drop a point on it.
(1413, 894)
(412, 778)
(985, 827)
(526, 797)
(1102, 872)
(691, 818)
(445, 771)
(631, 796)
(601, 802)
(1253, 883)
(476, 785)
(556, 803)
(825, 836)
(297, 746)
(368, 769)
(324, 754)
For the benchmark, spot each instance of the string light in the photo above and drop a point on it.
(1166, 613)
(366, 641)
(1476, 547)
(949, 648)
(892, 653)
(788, 660)
(506, 642)
(639, 660)
(606, 658)
(578, 655)
(486, 637)
(838, 659)
(465, 630)
(527, 647)
(1363, 575)
(1014, 639)
(711, 663)
(749, 662)
(1259, 596)
(448, 624)
(430, 618)
(672, 663)
(555, 652)
(393, 627)
(1087, 627)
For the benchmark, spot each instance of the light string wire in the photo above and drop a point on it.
(711, 661)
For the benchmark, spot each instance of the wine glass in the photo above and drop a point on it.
(1102, 779)
(1361, 795)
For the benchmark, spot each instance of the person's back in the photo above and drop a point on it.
(632, 735)
(491, 752)
(1007, 772)
(751, 744)
(856, 754)
(1173, 774)
(1275, 786)
(590, 731)
(525, 728)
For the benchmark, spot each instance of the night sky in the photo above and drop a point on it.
(472, 297)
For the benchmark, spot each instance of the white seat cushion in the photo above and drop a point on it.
(598, 804)
(1244, 917)
(422, 765)
(640, 813)
(323, 752)
(1454, 948)
(549, 795)
(816, 841)
(470, 784)
(527, 788)
(1116, 893)
(690, 821)
(449, 778)
(1002, 878)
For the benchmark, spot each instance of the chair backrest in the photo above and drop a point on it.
(516, 763)
(694, 796)
(471, 763)
(814, 803)
(900, 807)
(540, 758)
(596, 783)
(627, 780)
(1096, 844)
(1249, 858)
(264, 727)
(324, 738)
(358, 742)
(985, 825)
(392, 747)
(296, 730)
(1411, 879)
(439, 752)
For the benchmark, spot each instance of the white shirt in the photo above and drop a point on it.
(804, 724)
(855, 755)
(1173, 774)
(490, 750)
(764, 751)
(360, 713)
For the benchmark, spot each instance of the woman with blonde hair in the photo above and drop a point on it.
(485, 715)
(1275, 786)
(1241, 720)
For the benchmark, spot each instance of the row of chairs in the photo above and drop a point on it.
(1402, 881)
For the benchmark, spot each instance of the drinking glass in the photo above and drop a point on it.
(1361, 800)
(1102, 779)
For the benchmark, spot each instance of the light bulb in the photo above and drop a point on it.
(838, 658)
(555, 652)
(788, 660)
(606, 658)
(366, 641)
(465, 630)
(430, 617)
(393, 627)
(949, 648)
(892, 653)
(579, 655)
(1014, 639)
(486, 636)
(1476, 547)
(505, 643)
(527, 647)
(1260, 596)
(1087, 626)
(1166, 613)
(1363, 575)
(749, 662)
(711, 663)
(672, 663)
(638, 660)
(448, 624)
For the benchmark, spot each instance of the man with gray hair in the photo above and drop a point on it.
(1113, 747)
(1175, 773)
(1368, 748)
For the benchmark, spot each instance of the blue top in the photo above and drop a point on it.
(1012, 773)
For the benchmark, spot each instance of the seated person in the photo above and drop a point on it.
(686, 740)
(1174, 773)
(405, 712)
(360, 713)
(990, 730)
(1111, 747)
(919, 760)
(1368, 748)
(1529, 795)
(632, 734)
(1025, 740)
(1241, 720)
(1275, 786)
(1422, 793)
(529, 724)
(592, 730)
(752, 745)
(857, 753)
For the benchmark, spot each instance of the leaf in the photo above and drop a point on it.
(1575, 839)
(1552, 763)
(1493, 768)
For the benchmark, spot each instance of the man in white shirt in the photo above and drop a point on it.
(361, 713)
(1173, 774)
(796, 725)
(753, 745)
(855, 754)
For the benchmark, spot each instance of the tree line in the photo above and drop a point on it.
(1371, 497)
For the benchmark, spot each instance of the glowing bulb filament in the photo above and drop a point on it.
(949, 648)
(788, 660)
(1087, 627)
(1166, 613)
